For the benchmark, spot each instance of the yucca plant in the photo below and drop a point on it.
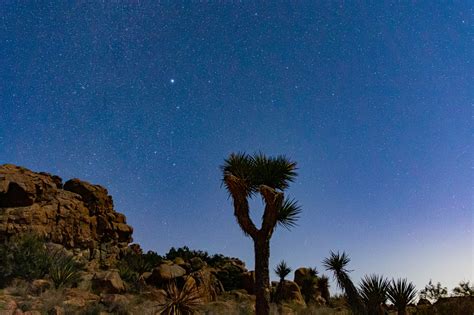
(337, 262)
(184, 301)
(245, 176)
(373, 291)
(64, 270)
(401, 293)
(282, 270)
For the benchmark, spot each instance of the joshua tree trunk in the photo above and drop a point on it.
(262, 277)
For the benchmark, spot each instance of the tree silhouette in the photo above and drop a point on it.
(246, 176)
(337, 263)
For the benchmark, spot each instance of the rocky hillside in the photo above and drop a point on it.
(77, 215)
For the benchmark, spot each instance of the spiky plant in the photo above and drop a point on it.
(373, 291)
(282, 270)
(337, 262)
(64, 270)
(246, 176)
(184, 301)
(323, 286)
(401, 293)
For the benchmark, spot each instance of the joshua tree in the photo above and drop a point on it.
(245, 176)
(337, 263)
(373, 292)
(282, 270)
(401, 293)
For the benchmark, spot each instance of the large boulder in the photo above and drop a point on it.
(77, 215)
(208, 284)
(108, 282)
(289, 291)
(164, 273)
(301, 274)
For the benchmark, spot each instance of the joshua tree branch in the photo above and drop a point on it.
(241, 205)
(273, 202)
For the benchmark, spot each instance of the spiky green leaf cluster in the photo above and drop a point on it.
(373, 291)
(181, 301)
(289, 213)
(258, 169)
(282, 270)
(64, 270)
(401, 293)
(251, 171)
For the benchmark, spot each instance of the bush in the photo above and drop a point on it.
(23, 257)
(230, 276)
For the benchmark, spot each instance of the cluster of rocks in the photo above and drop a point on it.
(76, 215)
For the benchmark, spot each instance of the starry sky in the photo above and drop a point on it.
(372, 100)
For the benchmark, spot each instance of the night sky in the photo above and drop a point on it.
(147, 99)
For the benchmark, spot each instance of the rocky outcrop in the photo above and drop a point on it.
(77, 215)
(289, 291)
(301, 274)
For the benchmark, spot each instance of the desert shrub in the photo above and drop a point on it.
(433, 292)
(186, 253)
(464, 289)
(23, 257)
(230, 276)
(64, 271)
(152, 258)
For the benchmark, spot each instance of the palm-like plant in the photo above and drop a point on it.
(337, 263)
(282, 270)
(184, 301)
(245, 176)
(401, 293)
(373, 291)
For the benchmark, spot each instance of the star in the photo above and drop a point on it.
(172, 81)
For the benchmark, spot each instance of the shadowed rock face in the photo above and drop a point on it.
(79, 216)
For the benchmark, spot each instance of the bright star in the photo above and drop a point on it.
(172, 80)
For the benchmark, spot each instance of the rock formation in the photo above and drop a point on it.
(77, 215)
